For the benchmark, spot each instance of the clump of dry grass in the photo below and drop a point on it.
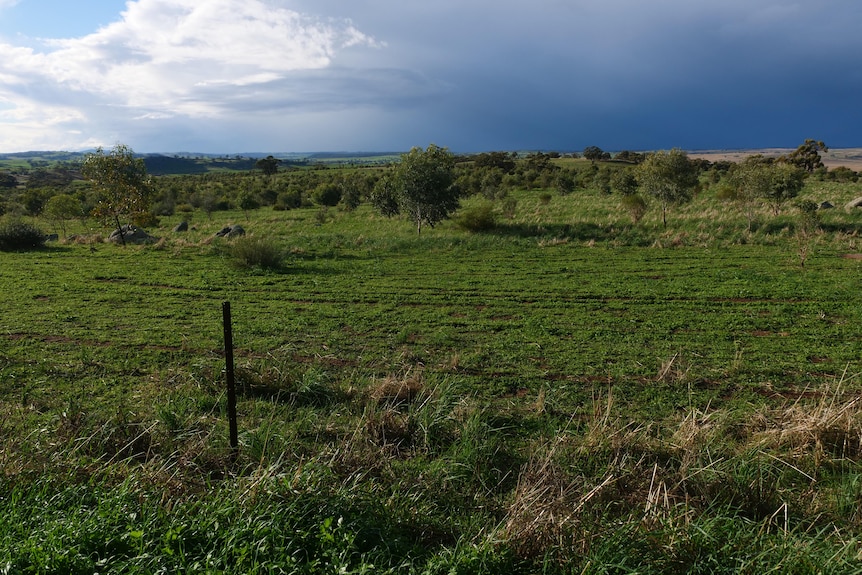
(394, 390)
(673, 370)
(547, 505)
(549, 243)
(392, 424)
(831, 427)
(606, 432)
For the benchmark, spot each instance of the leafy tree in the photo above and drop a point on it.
(757, 178)
(385, 196)
(351, 194)
(538, 162)
(669, 177)
(629, 156)
(595, 153)
(602, 179)
(565, 182)
(751, 180)
(624, 182)
(292, 198)
(121, 184)
(810, 216)
(7, 180)
(422, 185)
(247, 201)
(491, 183)
(268, 165)
(503, 160)
(34, 200)
(62, 208)
(807, 156)
(786, 183)
(327, 194)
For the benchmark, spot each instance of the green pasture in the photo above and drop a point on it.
(567, 393)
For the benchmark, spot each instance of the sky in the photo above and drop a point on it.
(242, 76)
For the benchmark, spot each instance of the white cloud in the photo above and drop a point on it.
(165, 58)
(317, 74)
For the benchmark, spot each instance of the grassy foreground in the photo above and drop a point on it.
(566, 394)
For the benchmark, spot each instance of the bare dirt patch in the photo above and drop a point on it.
(849, 157)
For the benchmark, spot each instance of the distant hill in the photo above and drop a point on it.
(197, 163)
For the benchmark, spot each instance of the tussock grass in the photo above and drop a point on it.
(250, 252)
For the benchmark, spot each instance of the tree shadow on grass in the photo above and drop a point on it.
(579, 231)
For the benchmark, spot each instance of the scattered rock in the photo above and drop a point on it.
(131, 235)
(52, 237)
(853, 204)
(826, 205)
(183, 226)
(231, 231)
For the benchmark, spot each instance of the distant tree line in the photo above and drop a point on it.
(663, 179)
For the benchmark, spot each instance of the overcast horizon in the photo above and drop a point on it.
(302, 76)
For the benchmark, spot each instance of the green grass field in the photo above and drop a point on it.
(568, 393)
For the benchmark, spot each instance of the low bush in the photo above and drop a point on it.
(478, 218)
(635, 205)
(16, 235)
(288, 200)
(326, 195)
(254, 252)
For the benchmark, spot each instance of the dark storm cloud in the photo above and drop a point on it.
(477, 75)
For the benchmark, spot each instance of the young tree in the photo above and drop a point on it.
(751, 180)
(62, 208)
(669, 177)
(121, 184)
(247, 202)
(624, 182)
(760, 179)
(786, 182)
(422, 186)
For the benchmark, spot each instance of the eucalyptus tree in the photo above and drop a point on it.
(595, 153)
(268, 165)
(121, 184)
(751, 180)
(787, 181)
(669, 177)
(758, 179)
(807, 156)
(422, 185)
(62, 208)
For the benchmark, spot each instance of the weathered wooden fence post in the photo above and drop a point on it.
(231, 380)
